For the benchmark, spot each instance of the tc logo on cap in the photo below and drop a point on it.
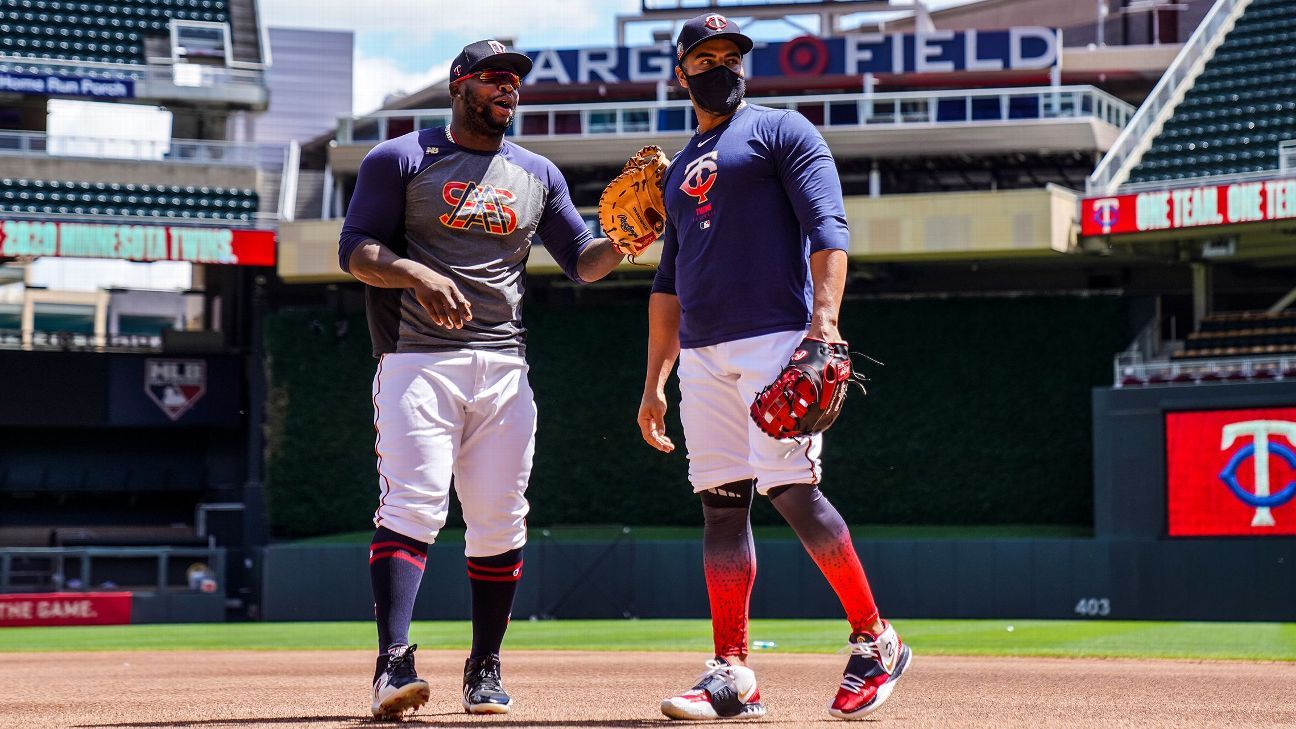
(499, 47)
(716, 22)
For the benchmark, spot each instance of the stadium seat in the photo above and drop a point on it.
(95, 32)
(1248, 85)
(97, 198)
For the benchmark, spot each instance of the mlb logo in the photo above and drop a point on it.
(175, 385)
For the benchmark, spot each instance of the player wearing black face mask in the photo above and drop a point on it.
(709, 56)
(718, 90)
(754, 213)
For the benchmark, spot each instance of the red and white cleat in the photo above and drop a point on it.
(724, 691)
(876, 663)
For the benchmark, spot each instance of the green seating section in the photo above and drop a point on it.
(98, 32)
(22, 196)
(1240, 107)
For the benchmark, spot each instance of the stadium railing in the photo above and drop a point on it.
(1287, 155)
(830, 111)
(78, 341)
(276, 166)
(1203, 371)
(194, 74)
(1115, 166)
(71, 569)
(1206, 181)
(181, 151)
(1150, 360)
(159, 71)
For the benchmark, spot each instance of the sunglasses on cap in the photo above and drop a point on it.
(492, 76)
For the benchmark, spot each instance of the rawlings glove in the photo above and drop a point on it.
(808, 394)
(631, 209)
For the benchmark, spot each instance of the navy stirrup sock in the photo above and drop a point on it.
(396, 564)
(494, 583)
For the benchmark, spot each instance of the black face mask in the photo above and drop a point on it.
(718, 90)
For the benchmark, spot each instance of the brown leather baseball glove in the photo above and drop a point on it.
(632, 210)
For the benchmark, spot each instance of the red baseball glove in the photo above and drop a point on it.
(809, 393)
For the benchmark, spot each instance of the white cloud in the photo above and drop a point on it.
(375, 78)
(519, 19)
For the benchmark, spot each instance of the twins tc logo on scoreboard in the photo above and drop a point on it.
(1260, 433)
(1106, 213)
(1231, 472)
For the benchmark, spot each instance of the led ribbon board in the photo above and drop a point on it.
(219, 246)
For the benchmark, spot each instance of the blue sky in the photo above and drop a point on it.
(403, 45)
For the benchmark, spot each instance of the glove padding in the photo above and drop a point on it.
(808, 394)
(632, 210)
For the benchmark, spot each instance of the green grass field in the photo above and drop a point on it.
(1193, 641)
(866, 531)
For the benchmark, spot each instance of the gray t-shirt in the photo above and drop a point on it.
(470, 216)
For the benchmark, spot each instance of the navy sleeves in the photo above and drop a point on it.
(664, 281)
(809, 177)
(562, 229)
(377, 208)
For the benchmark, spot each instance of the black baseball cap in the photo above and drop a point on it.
(488, 54)
(705, 28)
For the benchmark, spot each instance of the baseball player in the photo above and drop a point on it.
(753, 261)
(440, 227)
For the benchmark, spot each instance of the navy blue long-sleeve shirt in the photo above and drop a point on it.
(747, 203)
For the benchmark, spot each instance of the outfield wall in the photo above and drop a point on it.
(981, 415)
(1125, 579)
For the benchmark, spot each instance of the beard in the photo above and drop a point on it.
(481, 118)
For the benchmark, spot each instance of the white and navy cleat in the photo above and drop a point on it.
(397, 687)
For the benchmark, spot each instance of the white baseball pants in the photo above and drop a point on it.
(717, 386)
(466, 414)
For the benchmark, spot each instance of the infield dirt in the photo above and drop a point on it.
(574, 689)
